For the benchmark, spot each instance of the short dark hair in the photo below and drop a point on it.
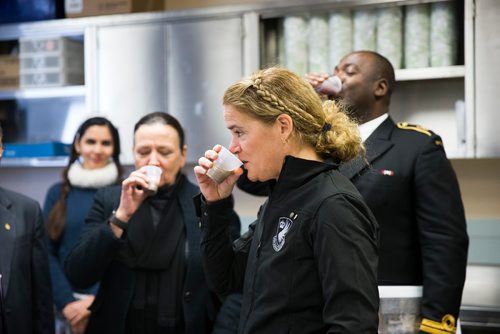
(162, 117)
(382, 68)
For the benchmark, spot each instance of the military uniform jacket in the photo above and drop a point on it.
(413, 192)
(308, 264)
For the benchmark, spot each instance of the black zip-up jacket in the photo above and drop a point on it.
(309, 262)
(94, 258)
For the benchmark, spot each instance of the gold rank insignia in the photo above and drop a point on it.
(7, 226)
(418, 128)
(446, 326)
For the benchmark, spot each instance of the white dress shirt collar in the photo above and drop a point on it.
(366, 129)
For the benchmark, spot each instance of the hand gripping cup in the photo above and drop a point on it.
(224, 165)
(154, 175)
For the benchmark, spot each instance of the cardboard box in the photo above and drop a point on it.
(79, 8)
(9, 72)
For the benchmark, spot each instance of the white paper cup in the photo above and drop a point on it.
(330, 86)
(154, 176)
(225, 164)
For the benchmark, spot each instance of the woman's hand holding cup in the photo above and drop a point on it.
(217, 173)
(140, 184)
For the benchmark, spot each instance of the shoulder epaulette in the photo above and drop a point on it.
(418, 128)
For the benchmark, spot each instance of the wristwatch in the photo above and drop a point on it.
(117, 222)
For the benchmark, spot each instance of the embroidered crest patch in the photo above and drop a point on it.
(284, 225)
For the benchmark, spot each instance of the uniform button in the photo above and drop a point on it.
(187, 296)
(199, 224)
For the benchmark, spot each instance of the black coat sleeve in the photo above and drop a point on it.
(43, 315)
(224, 262)
(345, 247)
(442, 232)
(97, 245)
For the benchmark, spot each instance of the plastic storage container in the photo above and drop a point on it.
(51, 62)
(36, 150)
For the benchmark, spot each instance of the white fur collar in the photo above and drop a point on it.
(92, 178)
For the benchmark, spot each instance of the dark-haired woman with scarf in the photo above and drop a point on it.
(93, 163)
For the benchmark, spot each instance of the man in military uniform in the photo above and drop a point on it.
(409, 184)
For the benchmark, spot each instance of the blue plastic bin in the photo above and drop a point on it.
(36, 150)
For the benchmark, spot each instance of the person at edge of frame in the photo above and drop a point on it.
(25, 289)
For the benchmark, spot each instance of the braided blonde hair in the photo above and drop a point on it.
(273, 91)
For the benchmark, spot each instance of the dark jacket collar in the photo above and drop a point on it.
(8, 227)
(5, 201)
(296, 172)
(380, 140)
(377, 144)
(383, 131)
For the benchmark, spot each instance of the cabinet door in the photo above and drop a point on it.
(204, 58)
(487, 81)
(130, 76)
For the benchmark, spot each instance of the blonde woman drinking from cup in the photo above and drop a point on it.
(141, 241)
(308, 263)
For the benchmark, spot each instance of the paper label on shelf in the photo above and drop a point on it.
(73, 6)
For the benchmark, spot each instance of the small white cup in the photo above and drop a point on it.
(224, 165)
(154, 176)
(330, 86)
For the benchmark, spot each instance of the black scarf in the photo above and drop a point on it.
(157, 255)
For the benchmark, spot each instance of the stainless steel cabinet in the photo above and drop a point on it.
(181, 67)
(204, 57)
(487, 77)
(130, 76)
(437, 104)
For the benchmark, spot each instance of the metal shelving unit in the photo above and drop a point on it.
(99, 37)
(429, 73)
(43, 93)
(35, 162)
